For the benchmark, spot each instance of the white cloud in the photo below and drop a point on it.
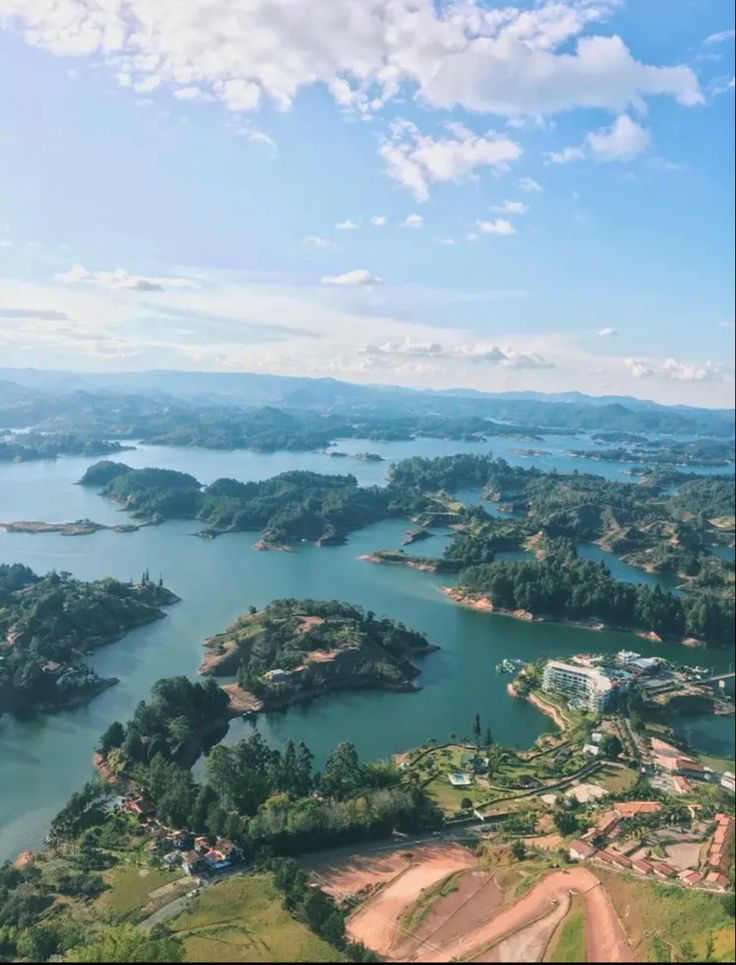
(529, 185)
(676, 370)
(444, 241)
(512, 207)
(347, 225)
(565, 156)
(6, 243)
(499, 226)
(623, 141)
(318, 242)
(510, 61)
(720, 37)
(476, 352)
(414, 221)
(260, 137)
(359, 276)
(405, 347)
(189, 94)
(417, 160)
(119, 278)
(378, 220)
(607, 332)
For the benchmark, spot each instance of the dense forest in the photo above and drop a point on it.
(255, 794)
(48, 623)
(564, 587)
(293, 648)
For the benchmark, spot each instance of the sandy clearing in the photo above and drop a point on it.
(683, 855)
(347, 874)
(605, 940)
(449, 917)
(546, 842)
(375, 923)
(529, 944)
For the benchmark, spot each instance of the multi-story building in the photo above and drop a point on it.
(589, 687)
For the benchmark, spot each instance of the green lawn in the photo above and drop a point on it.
(616, 779)
(130, 889)
(242, 920)
(659, 915)
(568, 945)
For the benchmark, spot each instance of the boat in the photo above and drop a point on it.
(510, 665)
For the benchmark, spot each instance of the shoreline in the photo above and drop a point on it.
(485, 605)
(542, 706)
(409, 562)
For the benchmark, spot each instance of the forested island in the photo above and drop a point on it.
(563, 587)
(48, 624)
(663, 452)
(31, 446)
(290, 507)
(548, 513)
(292, 650)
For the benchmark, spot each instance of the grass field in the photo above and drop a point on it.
(616, 779)
(130, 889)
(657, 916)
(242, 920)
(568, 944)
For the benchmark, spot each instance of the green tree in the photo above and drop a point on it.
(518, 849)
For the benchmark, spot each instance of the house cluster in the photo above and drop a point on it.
(139, 808)
(668, 759)
(206, 858)
(719, 859)
(196, 855)
(602, 843)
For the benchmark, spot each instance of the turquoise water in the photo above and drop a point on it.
(45, 758)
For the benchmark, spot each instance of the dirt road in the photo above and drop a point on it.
(605, 940)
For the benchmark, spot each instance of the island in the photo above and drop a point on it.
(32, 446)
(79, 527)
(291, 507)
(293, 650)
(48, 624)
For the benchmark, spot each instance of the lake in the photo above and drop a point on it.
(45, 758)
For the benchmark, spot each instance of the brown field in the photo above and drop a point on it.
(436, 904)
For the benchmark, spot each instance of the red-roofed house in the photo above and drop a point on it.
(663, 870)
(580, 850)
(681, 785)
(632, 809)
(716, 880)
(690, 878)
(642, 867)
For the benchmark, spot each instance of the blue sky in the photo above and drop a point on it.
(537, 196)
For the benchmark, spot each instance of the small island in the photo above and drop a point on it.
(293, 650)
(48, 624)
(79, 527)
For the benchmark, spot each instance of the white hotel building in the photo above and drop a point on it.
(589, 687)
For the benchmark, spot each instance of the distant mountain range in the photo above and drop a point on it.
(560, 410)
